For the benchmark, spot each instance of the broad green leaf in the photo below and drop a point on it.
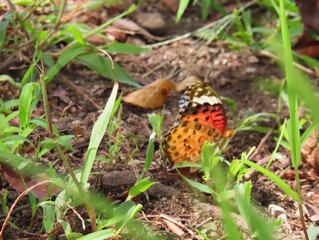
(103, 66)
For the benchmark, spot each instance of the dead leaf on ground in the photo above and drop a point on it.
(310, 154)
(13, 178)
(151, 96)
(134, 28)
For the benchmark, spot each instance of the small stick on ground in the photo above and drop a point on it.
(261, 143)
(77, 90)
(16, 202)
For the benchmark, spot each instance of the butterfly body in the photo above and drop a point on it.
(201, 118)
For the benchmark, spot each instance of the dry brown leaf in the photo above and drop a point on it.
(151, 96)
(174, 228)
(310, 153)
(41, 191)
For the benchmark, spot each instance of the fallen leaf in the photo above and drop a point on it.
(129, 25)
(14, 180)
(151, 96)
(310, 155)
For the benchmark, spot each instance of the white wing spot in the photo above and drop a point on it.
(207, 99)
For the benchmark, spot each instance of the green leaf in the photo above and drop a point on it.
(103, 66)
(313, 232)
(140, 187)
(156, 121)
(48, 217)
(67, 55)
(99, 235)
(201, 187)
(181, 9)
(4, 78)
(284, 186)
(28, 97)
(97, 135)
(218, 7)
(29, 75)
(205, 9)
(3, 26)
(125, 48)
(149, 153)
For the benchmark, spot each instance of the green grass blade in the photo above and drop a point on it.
(97, 135)
(140, 187)
(3, 27)
(67, 55)
(27, 97)
(125, 48)
(181, 9)
(284, 186)
(293, 125)
(99, 235)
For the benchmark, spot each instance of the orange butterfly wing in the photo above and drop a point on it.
(184, 141)
(201, 118)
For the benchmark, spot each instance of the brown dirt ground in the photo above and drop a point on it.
(233, 73)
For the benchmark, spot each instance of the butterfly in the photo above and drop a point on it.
(201, 118)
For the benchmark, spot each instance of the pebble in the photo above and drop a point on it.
(152, 21)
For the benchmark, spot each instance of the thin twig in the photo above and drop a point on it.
(45, 100)
(297, 65)
(77, 90)
(16, 202)
(261, 143)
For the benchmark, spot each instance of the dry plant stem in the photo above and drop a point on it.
(300, 207)
(299, 66)
(46, 103)
(263, 140)
(15, 203)
(65, 160)
(88, 206)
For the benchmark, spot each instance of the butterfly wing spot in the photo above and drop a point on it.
(201, 118)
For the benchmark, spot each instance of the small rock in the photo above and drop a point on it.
(152, 21)
(253, 59)
(277, 211)
(251, 70)
(159, 190)
(135, 41)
